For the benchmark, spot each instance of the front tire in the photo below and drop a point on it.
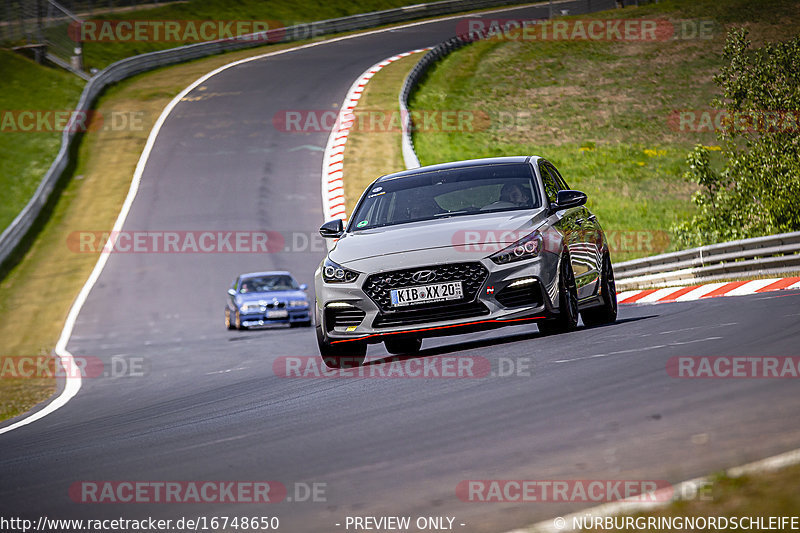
(228, 322)
(567, 319)
(606, 313)
(349, 354)
(238, 321)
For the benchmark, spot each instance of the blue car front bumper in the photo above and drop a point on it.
(291, 316)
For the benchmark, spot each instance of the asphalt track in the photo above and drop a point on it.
(592, 404)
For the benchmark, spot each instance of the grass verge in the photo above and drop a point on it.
(601, 111)
(26, 155)
(373, 147)
(763, 494)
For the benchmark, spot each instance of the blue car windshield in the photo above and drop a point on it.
(280, 282)
(447, 193)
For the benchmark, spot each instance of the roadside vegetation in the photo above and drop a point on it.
(275, 13)
(26, 155)
(605, 113)
(755, 192)
(762, 494)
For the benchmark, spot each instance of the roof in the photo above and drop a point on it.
(458, 164)
(269, 273)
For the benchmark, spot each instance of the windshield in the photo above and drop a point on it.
(280, 282)
(447, 193)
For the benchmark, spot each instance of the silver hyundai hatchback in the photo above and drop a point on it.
(458, 247)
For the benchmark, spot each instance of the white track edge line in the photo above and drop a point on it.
(73, 380)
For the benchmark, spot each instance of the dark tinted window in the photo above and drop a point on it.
(447, 193)
(278, 282)
(562, 185)
(550, 186)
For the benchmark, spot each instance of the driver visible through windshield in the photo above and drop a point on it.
(268, 283)
(447, 193)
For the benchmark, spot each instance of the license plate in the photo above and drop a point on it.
(436, 292)
(280, 313)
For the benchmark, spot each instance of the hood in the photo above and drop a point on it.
(458, 238)
(271, 295)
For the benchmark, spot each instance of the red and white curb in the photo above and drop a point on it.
(710, 290)
(333, 205)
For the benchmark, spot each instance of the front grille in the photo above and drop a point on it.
(430, 313)
(273, 305)
(343, 317)
(528, 294)
(378, 286)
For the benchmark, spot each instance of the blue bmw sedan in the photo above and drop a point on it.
(264, 298)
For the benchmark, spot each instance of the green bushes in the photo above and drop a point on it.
(757, 190)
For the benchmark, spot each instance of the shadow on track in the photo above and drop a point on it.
(484, 343)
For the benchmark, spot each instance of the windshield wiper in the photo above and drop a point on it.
(450, 214)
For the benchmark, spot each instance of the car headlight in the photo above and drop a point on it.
(250, 308)
(526, 248)
(298, 303)
(334, 273)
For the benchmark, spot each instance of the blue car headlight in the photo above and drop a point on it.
(298, 303)
(335, 273)
(252, 307)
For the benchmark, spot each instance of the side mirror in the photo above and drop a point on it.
(569, 198)
(232, 292)
(332, 229)
(303, 286)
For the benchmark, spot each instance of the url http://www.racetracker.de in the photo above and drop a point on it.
(145, 525)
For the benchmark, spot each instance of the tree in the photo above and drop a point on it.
(757, 190)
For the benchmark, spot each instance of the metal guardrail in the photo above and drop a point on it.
(413, 78)
(13, 235)
(771, 255)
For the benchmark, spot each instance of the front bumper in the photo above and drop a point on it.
(510, 294)
(263, 319)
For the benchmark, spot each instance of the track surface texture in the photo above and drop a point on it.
(597, 403)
